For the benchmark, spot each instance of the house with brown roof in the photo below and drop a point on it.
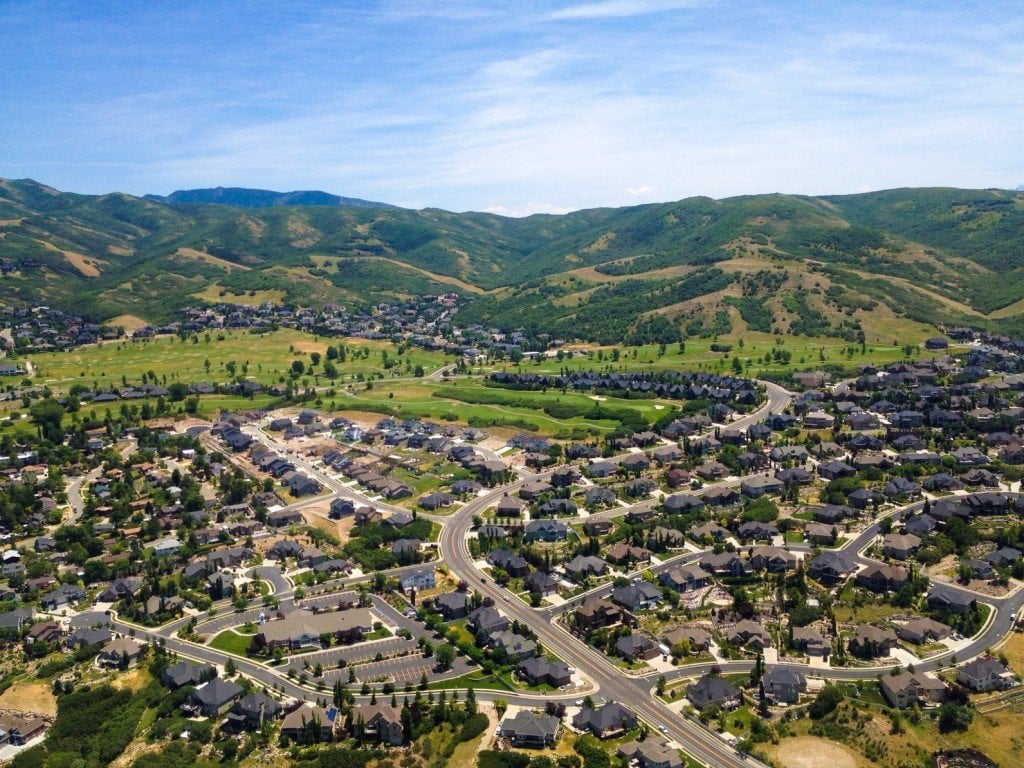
(872, 642)
(378, 722)
(306, 721)
(908, 688)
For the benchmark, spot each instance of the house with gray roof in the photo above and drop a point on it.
(512, 645)
(713, 689)
(530, 729)
(215, 697)
(187, 673)
(985, 674)
(784, 684)
(605, 722)
(650, 754)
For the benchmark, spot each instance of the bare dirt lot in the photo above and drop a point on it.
(812, 752)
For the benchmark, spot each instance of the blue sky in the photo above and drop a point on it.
(513, 107)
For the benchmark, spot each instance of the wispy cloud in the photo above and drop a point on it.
(465, 106)
(615, 9)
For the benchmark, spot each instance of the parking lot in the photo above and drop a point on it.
(353, 654)
(402, 670)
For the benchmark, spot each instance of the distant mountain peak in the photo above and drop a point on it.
(242, 197)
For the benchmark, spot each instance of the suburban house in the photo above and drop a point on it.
(487, 619)
(582, 566)
(65, 594)
(514, 646)
(900, 545)
(872, 642)
(726, 564)
(686, 578)
(378, 722)
(545, 530)
(250, 712)
(715, 690)
(597, 612)
(297, 724)
(424, 578)
(883, 578)
(831, 567)
(784, 684)
(773, 559)
(512, 564)
(541, 671)
(541, 583)
(909, 688)
(637, 596)
(121, 651)
(946, 599)
(636, 647)
(749, 633)
(811, 641)
(215, 697)
(985, 674)
(605, 722)
(650, 754)
(187, 673)
(923, 631)
(699, 640)
(530, 729)
(452, 605)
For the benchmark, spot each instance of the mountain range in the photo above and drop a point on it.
(241, 197)
(871, 265)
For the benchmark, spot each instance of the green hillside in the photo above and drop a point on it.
(848, 267)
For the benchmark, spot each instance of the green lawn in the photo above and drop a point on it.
(805, 353)
(230, 641)
(264, 358)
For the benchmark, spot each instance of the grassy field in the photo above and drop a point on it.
(457, 400)
(805, 353)
(231, 642)
(365, 385)
(264, 358)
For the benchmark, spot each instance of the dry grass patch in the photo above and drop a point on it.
(815, 752)
(191, 254)
(307, 347)
(213, 294)
(83, 263)
(1014, 650)
(30, 697)
(130, 323)
(132, 680)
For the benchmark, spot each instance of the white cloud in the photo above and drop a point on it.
(609, 9)
(527, 209)
(639, 191)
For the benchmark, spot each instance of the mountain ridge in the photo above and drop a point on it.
(845, 266)
(248, 197)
